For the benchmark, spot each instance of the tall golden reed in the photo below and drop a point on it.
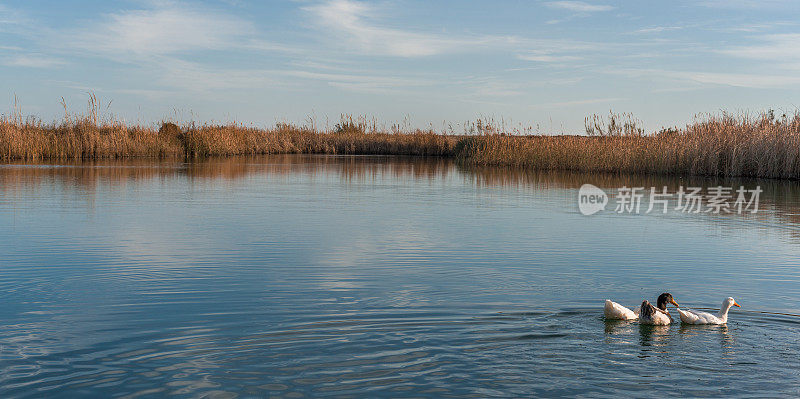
(88, 138)
(726, 145)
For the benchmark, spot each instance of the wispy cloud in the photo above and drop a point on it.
(360, 28)
(759, 80)
(578, 6)
(658, 29)
(186, 76)
(361, 78)
(165, 30)
(9, 16)
(547, 56)
(363, 81)
(194, 77)
(745, 4)
(354, 25)
(490, 86)
(33, 61)
(750, 80)
(751, 28)
(773, 48)
(607, 100)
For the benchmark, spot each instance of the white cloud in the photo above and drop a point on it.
(774, 48)
(750, 28)
(573, 103)
(482, 87)
(363, 82)
(33, 61)
(760, 80)
(193, 77)
(751, 80)
(357, 26)
(658, 29)
(359, 78)
(547, 56)
(578, 6)
(10, 16)
(165, 30)
(746, 4)
(351, 22)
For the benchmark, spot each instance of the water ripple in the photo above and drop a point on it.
(363, 276)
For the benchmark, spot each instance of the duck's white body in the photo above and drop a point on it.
(615, 311)
(695, 317)
(656, 319)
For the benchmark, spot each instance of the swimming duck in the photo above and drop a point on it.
(615, 311)
(650, 314)
(695, 317)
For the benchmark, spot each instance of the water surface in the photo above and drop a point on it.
(306, 276)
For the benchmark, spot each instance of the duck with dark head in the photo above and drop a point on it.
(664, 299)
(615, 311)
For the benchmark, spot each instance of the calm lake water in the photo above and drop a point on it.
(307, 276)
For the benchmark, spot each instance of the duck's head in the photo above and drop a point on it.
(664, 299)
(728, 302)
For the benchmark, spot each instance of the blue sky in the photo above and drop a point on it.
(540, 63)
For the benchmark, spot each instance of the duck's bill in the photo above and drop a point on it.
(672, 301)
(737, 305)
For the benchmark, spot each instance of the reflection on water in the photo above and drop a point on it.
(650, 335)
(297, 276)
(778, 203)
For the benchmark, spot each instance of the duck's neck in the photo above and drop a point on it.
(723, 311)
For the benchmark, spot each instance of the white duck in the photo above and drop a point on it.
(615, 311)
(695, 317)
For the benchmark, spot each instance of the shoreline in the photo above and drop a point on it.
(726, 146)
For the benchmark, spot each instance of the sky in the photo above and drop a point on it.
(540, 64)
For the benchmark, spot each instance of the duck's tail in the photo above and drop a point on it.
(647, 310)
(685, 316)
(608, 308)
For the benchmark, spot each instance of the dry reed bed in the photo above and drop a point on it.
(762, 146)
(714, 146)
(31, 141)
